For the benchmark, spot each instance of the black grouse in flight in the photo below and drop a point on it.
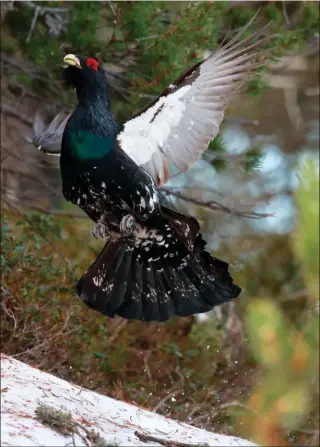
(154, 264)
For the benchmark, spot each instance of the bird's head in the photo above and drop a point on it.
(84, 73)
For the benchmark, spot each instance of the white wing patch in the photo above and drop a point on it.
(180, 125)
(145, 134)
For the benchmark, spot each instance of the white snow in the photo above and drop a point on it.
(23, 388)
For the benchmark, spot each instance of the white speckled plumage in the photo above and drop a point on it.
(154, 264)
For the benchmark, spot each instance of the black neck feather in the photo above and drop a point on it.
(93, 113)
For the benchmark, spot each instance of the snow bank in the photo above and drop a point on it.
(23, 388)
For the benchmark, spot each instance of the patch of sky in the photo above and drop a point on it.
(236, 139)
(283, 218)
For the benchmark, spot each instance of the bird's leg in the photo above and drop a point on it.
(100, 229)
(128, 224)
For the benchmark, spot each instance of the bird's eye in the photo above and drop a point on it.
(90, 66)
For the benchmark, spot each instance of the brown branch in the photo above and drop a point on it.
(49, 339)
(53, 212)
(213, 205)
(40, 209)
(6, 292)
(115, 333)
(9, 153)
(41, 11)
(148, 438)
(214, 413)
(45, 9)
(164, 400)
(116, 17)
(33, 178)
(285, 13)
(17, 64)
(10, 111)
(36, 13)
(50, 84)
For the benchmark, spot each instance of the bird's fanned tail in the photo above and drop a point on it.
(120, 282)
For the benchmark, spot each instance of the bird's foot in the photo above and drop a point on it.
(100, 230)
(127, 225)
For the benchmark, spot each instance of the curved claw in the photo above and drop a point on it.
(99, 229)
(128, 225)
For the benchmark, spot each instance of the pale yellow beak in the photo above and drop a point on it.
(71, 59)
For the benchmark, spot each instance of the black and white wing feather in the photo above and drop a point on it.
(179, 125)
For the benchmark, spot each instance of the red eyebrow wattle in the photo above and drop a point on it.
(92, 63)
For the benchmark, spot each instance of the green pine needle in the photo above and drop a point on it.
(219, 164)
(217, 145)
(253, 159)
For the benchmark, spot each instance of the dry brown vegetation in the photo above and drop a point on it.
(219, 374)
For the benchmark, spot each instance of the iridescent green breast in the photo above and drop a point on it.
(86, 146)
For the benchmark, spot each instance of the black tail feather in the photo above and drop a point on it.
(118, 283)
(132, 303)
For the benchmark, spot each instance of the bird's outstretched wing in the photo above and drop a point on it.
(179, 125)
(48, 138)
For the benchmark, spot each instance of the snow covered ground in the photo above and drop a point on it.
(23, 388)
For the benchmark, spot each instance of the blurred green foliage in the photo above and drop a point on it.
(208, 368)
(289, 354)
(306, 236)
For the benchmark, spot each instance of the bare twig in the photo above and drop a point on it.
(50, 84)
(64, 423)
(149, 438)
(198, 188)
(62, 213)
(6, 291)
(116, 15)
(37, 10)
(164, 400)
(84, 438)
(10, 111)
(45, 9)
(285, 13)
(115, 333)
(91, 435)
(216, 412)
(194, 410)
(48, 12)
(49, 339)
(213, 205)
(8, 151)
(146, 365)
(24, 92)
(113, 10)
